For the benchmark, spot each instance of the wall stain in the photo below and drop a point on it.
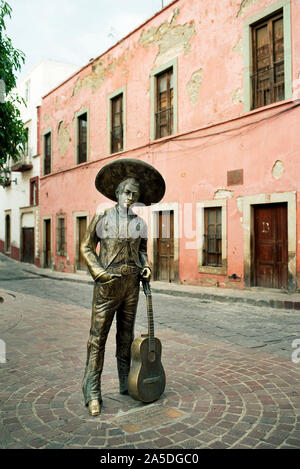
(278, 169)
(245, 4)
(238, 48)
(223, 194)
(237, 96)
(171, 39)
(63, 138)
(193, 86)
(94, 80)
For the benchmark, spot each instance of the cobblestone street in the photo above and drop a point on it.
(231, 381)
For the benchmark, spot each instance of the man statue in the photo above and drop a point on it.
(122, 260)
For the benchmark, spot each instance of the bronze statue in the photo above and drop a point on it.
(122, 260)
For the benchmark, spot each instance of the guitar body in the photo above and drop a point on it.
(146, 380)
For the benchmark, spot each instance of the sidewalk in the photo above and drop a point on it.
(254, 296)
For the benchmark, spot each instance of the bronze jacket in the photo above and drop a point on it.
(115, 234)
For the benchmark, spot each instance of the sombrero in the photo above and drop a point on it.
(151, 181)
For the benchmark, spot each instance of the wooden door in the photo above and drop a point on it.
(270, 246)
(164, 267)
(47, 243)
(82, 227)
(28, 245)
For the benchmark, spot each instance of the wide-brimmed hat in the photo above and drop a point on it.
(152, 184)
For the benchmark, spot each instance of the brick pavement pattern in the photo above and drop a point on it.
(218, 394)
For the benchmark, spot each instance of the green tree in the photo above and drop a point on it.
(12, 133)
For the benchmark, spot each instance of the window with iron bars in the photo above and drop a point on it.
(61, 236)
(82, 139)
(116, 124)
(164, 104)
(212, 246)
(47, 153)
(268, 61)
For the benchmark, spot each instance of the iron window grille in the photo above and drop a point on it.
(212, 246)
(47, 150)
(116, 133)
(82, 139)
(164, 104)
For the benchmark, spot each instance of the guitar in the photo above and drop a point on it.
(146, 379)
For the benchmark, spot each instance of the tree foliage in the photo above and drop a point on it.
(12, 133)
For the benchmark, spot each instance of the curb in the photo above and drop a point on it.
(278, 304)
(269, 303)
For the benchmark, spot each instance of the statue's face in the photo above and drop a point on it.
(128, 195)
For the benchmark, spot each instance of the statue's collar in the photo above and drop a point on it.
(124, 214)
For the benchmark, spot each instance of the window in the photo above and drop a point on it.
(268, 61)
(34, 191)
(47, 153)
(61, 236)
(82, 138)
(116, 124)
(164, 104)
(163, 95)
(212, 246)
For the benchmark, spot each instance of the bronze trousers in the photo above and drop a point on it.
(119, 296)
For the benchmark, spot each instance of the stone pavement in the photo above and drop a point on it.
(218, 394)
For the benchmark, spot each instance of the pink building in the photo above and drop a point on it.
(210, 97)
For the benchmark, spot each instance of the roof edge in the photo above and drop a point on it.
(112, 47)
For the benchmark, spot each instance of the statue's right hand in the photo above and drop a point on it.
(107, 276)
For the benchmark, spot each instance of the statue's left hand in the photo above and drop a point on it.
(146, 273)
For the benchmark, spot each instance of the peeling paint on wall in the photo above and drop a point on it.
(245, 4)
(238, 48)
(239, 204)
(94, 80)
(172, 39)
(223, 194)
(193, 86)
(63, 138)
(98, 75)
(278, 169)
(237, 96)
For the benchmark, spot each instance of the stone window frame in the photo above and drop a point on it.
(121, 91)
(200, 227)
(245, 206)
(153, 95)
(86, 111)
(247, 42)
(45, 133)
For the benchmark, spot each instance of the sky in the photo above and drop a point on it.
(73, 31)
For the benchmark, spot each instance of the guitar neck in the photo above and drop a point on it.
(151, 337)
(150, 318)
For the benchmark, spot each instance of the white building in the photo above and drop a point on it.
(19, 199)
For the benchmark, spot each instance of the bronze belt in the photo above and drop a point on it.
(124, 269)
